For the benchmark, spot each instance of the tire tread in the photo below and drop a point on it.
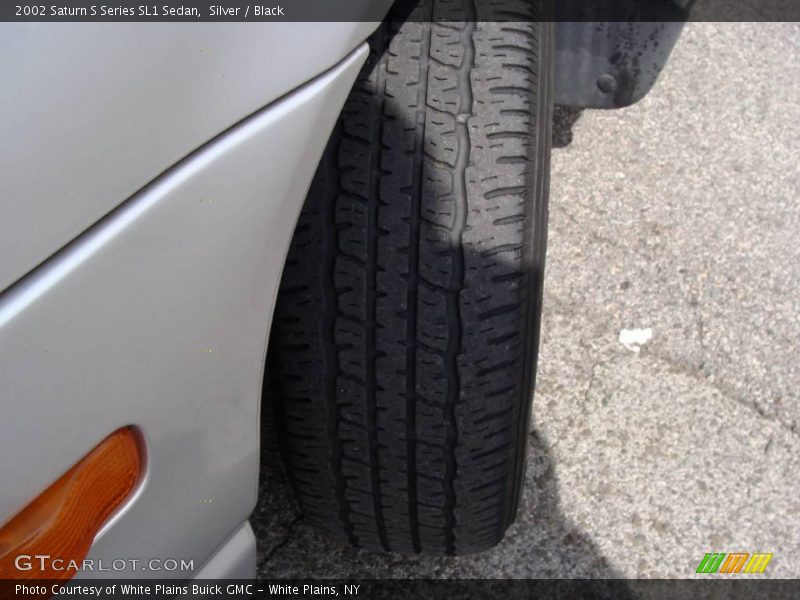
(402, 329)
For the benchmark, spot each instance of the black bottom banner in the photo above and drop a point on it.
(411, 589)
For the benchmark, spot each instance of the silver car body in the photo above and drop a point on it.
(150, 180)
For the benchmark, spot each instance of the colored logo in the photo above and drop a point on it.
(735, 562)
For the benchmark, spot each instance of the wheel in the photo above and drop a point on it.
(404, 342)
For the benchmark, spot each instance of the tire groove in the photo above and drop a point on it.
(455, 324)
(411, 302)
(330, 354)
(371, 351)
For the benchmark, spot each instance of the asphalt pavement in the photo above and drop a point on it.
(665, 421)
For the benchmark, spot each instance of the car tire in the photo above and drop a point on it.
(403, 352)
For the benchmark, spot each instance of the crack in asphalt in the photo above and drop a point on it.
(699, 372)
(727, 391)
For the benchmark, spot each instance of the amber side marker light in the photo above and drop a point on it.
(64, 519)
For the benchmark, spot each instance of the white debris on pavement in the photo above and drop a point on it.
(634, 339)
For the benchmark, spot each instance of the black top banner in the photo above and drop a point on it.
(375, 10)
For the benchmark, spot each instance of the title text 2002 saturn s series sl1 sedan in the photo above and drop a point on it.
(353, 212)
